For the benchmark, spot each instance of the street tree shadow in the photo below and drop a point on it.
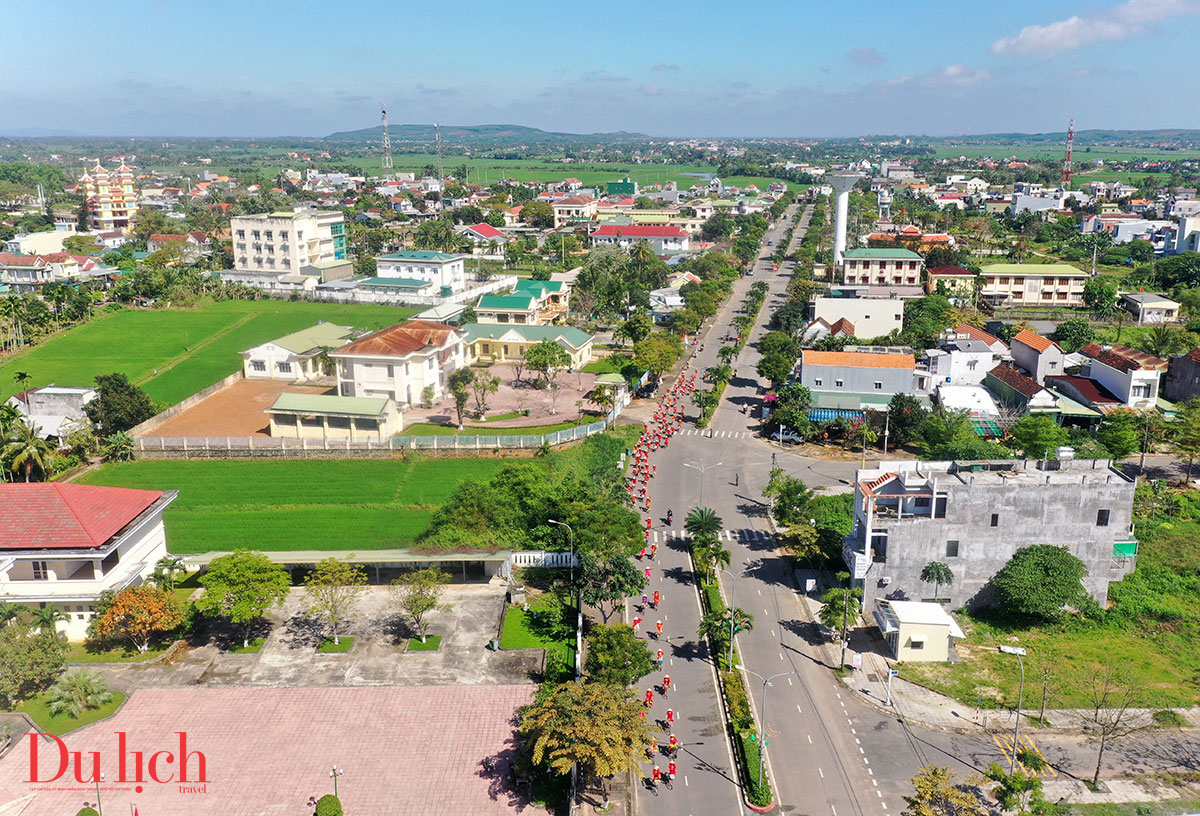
(302, 631)
(811, 632)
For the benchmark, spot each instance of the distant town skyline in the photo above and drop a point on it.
(771, 69)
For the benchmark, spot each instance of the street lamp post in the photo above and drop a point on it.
(732, 606)
(1020, 653)
(703, 470)
(98, 780)
(334, 773)
(579, 605)
(762, 731)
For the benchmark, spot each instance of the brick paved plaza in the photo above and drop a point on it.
(406, 750)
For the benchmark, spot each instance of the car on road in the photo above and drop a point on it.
(785, 435)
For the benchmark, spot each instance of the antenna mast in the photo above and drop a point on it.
(1066, 169)
(387, 141)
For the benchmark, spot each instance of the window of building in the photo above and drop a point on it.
(818, 381)
(995, 519)
(40, 571)
(1053, 364)
(837, 383)
(878, 386)
(952, 549)
(258, 365)
(916, 644)
(1101, 518)
(922, 501)
(284, 368)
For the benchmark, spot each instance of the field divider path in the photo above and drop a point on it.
(174, 361)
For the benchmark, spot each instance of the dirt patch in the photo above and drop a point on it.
(239, 410)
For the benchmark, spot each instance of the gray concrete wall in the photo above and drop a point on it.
(857, 380)
(1029, 513)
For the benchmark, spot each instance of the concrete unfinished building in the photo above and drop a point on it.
(972, 516)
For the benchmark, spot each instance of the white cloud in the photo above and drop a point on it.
(957, 76)
(951, 76)
(865, 56)
(1119, 22)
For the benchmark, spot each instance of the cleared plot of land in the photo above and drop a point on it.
(239, 410)
(320, 504)
(173, 353)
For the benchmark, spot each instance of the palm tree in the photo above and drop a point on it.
(165, 570)
(26, 450)
(603, 398)
(727, 354)
(708, 552)
(719, 373)
(716, 625)
(1163, 341)
(11, 612)
(8, 415)
(703, 521)
(22, 379)
(77, 691)
(937, 573)
(48, 618)
(641, 255)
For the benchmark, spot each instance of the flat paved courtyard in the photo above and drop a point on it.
(405, 750)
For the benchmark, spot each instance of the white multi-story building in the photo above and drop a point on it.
(62, 545)
(281, 243)
(400, 362)
(434, 268)
(960, 362)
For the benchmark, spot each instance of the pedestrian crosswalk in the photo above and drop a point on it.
(711, 434)
(745, 535)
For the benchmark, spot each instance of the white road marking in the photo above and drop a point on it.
(838, 695)
(879, 794)
(857, 741)
(860, 750)
(822, 773)
(781, 655)
(773, 633)
(832, 808)
(685, 782)
(801, 711)
(872, 773)
(842, 703)
(810, 742)
(884, 805)
(866, 761)
(875, 782)
(760, 592)
(852, 731)
(789, 680)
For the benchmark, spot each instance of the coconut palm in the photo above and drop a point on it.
(719, 373)
(26, 450)
(709, 555)
(603, 398)
(48, 618)
(1163, 341)
(11, 612)
(716, 625)
(77, 691)
(703, 521)
(937, 573)
(727, 354)
(165, 571)
(21, 379)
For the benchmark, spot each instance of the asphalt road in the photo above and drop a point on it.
(829, 751)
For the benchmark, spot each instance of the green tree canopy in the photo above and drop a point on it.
(657, 353)
(1039, 436)
(242, 586)
(1074, 334)
(119, 404)
(617, 656)
(1038, 581)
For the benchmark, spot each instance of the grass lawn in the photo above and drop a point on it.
(83, 653)
(519, 632)
(428, 429)
(329, 647)
(432, 644)
(254, 647)
(37, 708)
(1167, 808)
(335, 504)
(191, 348)
(1150, 631)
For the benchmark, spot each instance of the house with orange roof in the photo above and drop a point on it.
(860, 380)
(1038, 356)
(400, 362)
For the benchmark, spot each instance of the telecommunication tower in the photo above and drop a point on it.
(387, 141)
(438, 130)
(1066, 170)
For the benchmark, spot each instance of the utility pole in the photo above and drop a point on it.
(1020, 653)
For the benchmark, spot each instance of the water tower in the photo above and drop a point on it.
(842, 184)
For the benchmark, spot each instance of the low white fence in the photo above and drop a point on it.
(541, 558)
(230, 447)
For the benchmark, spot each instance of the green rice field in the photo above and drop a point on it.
(297, 504)
(175, 352)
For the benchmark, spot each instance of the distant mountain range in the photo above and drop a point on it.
(35, 133)
(1084, 137)
(496, 134)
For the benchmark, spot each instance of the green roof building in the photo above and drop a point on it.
(296, 357)
(330, 417)
(499, 343)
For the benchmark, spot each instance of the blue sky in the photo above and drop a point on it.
(267, 68)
